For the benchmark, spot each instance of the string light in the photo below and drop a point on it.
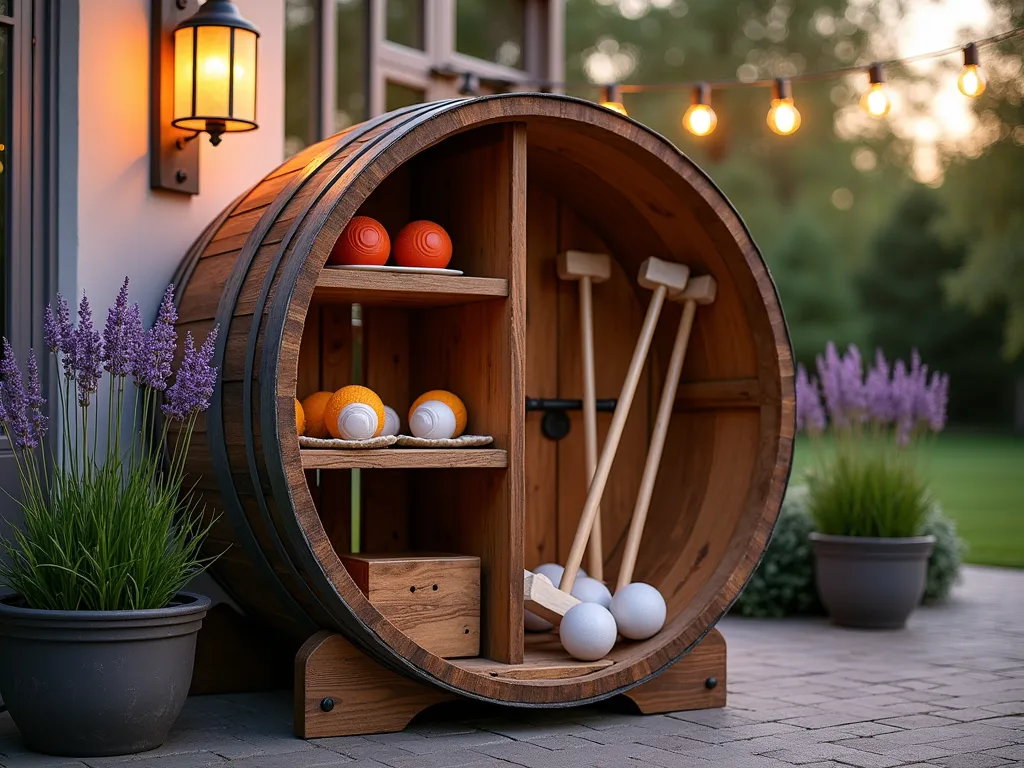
(876, 101)
(971, 82)
(783, 117)
(611, 99)
(700, 119)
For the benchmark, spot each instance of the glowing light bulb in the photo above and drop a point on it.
(971, 82)
(611, 99)
(783, 117)
(700, 119)
(876, 101)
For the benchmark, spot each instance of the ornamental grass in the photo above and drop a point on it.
(108, 524)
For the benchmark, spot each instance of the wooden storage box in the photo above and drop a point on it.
(434, 599)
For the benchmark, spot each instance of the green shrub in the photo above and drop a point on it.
(947, 556)
(783, 584)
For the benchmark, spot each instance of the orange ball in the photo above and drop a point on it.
(354, 413)
(313, 408)
(423, 244)
(364, 241)
(300, 418)
(449, 399)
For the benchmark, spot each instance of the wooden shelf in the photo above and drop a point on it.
(404, 458)
(397, 289)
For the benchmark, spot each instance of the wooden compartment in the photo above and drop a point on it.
(433, 599)
(515, 179)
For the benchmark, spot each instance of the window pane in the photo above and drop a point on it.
(397, 96)
(405, 22)
(5, 176)
(491, 29)
(350, 64)
(300, 81)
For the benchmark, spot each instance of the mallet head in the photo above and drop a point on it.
(701, 290)
(657, 272)
(575, 265)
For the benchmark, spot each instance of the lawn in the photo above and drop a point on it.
(979, 481)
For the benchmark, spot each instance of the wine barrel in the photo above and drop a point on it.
(515, 179)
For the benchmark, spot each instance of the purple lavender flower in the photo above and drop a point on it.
(88, 354)
(852, 381)
(14, 400)
(878, 392)
(51, 330)
(938, 397)
(118, 355)
(153, 363)
(830, 374)
(903, 399)
(66, 334)
(38, 420)
(194, 381)
(810, 416)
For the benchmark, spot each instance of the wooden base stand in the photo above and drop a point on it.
(340, 692)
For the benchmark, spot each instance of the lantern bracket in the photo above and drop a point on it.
(173, 156)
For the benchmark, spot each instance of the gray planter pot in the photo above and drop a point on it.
(95, 683)
(871, 583)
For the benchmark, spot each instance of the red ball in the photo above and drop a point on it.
(364, 241)
(423, 244)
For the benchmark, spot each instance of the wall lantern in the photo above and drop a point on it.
(203, 81)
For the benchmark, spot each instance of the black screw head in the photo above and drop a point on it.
(555, 425)
(327, 704)
(711, 682)
(181, 177)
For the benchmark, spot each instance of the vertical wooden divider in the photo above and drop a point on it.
(474, 185)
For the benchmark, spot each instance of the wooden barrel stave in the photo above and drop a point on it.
(279, 298)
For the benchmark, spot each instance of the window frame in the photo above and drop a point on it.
(386, 61)
(30, 179)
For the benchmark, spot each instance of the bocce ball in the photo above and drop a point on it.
(313, 408)
(300, 418)
(588, 590)
(639, 611)
(588, 631)
(553, 572)
(437, 415)
(354, 413)
(423, 244)
(363, 242)
(392, 424)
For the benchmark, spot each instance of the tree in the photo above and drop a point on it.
(817, 295)
(903, 299)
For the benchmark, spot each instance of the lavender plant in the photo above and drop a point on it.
(871, 484)
(113, 527)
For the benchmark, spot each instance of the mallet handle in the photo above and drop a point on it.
(595, 551)
(651, 466)
(611, 442)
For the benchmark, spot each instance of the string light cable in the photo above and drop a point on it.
(783, 117)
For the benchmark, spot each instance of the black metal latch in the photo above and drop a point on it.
(555, 424)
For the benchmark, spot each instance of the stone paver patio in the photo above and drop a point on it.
(948, 691)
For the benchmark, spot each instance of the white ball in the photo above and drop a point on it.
(639, 611)
(588, 590)
(432, 420)
(554, 572)
(392, 422)
(588, 632)
(357, 421)
(534, 623)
